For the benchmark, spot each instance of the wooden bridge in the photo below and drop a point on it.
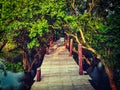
(59, 71)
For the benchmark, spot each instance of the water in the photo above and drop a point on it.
(99, 77)
(11, 81)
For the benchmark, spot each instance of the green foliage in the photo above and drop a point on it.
(29, 23)
(31, 15)
(70, 18)
(33, 43)
(39, 27)
(15, 67)
(12, 60)
(101, 29)
(114, 42)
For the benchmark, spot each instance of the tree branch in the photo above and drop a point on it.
(75, 36)
(91, 6)
(55, 27)
(82, 35)
(73, 6)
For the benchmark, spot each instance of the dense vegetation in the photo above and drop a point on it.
(30, 24)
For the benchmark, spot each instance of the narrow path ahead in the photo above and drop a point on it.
(60, 72)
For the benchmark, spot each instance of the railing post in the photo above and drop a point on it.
(80, 59)
(71, 45)
(65, 44)
(51, 43)
(47, 50)
(38, 74)
(68, 41)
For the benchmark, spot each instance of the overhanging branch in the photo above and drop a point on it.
(75, 36)
(54, 27)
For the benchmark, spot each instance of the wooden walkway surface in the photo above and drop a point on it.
(59, 71)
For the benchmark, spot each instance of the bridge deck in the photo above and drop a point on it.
(59, 71)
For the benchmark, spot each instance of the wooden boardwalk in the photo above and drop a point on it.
(59, 71)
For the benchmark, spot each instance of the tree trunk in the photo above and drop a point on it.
(24, 61)
(26, 64)
(110, 76)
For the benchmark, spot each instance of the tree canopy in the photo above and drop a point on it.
(29, 24)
